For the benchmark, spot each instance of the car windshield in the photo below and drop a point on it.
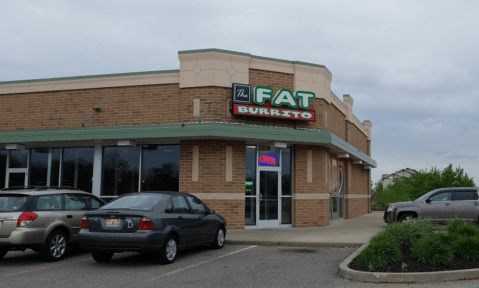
(12, 203)
(140, 201)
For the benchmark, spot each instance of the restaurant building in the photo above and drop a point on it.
(264, 142)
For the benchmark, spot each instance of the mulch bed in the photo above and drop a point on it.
(414, 266)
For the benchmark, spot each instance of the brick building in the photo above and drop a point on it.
(257, 152)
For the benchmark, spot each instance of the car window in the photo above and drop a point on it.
(91, 202)
(49, 202)
(444, 196)
(74, 203)
(179, 205)
(11, 203)
(465, 195)
(138, 201)
(196, 205)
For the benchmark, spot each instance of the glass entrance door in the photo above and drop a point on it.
(16, 179)
(268, 198)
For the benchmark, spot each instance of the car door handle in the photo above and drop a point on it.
(199, 218)
(180, 217)
(69, 216)
(447, 204)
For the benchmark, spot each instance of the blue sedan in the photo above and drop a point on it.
(158, 222)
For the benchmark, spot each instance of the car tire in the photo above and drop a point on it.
(102, 257)
(3, 253)
(55, 247)
(219, 241)
(406, 217)
(169, 250)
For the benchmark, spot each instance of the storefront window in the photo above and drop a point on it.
(38, 166)
(286, 188)
(77, 168)
(160, 168)
(250, 186)
(3, 167)
(55, 167)
(120, 173)
(269, 158)
(18, 159)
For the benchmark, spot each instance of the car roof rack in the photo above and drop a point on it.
(40, 188)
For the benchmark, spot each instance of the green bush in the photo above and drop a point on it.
(408, 232)
(431, 250)
(468, 229)
(466, 247)
(382, 250)
(445, 237)
(454, 224)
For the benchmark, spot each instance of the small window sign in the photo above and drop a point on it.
(241, 93)
(268, 160)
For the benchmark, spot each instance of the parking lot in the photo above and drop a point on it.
(232, 266)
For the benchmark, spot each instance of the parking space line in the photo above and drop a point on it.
(42, 268)
(197, 264)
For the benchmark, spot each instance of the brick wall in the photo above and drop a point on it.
(310, 212)
(357, 138)
(216, 112)
(336, 122)
(212, 177)
(136, 105)
(357, 190)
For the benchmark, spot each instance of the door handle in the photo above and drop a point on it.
(447, 204)
(260, 197)
(180, 217)
(69, 216)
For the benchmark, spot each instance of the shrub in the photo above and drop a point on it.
(408, 232)
(431, 250)
(382, 250)
(467, 229)
(454, 224)
(466, 247)
(445, 238)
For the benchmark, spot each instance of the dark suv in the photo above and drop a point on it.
(44, 219)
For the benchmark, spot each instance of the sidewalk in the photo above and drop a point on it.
(347, 233)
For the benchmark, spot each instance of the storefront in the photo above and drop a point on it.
(264, 142)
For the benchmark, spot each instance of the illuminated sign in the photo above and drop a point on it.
(283, 105)
(268, 160)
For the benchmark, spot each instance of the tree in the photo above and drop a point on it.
(419, 183)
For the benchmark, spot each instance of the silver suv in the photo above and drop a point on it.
(44, 219)
(440, 205)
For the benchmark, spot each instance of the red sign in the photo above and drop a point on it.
(273, 112)
(268, 160)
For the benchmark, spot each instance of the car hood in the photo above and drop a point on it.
(397, 204)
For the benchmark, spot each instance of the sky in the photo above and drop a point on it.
(411, 66)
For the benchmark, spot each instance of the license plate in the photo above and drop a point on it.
(112, 223)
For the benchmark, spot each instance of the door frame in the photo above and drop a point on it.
(268, 223)
(16, 170)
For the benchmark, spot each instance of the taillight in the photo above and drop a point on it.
(146, 224)
(84, 222)
(26, 218)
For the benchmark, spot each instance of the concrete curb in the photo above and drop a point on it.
(417, 277)
(291, 244)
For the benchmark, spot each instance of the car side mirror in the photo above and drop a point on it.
(211, 211)
(168, 210)
(428, 200)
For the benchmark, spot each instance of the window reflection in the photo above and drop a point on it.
(18, 159)
(160, 168)
(286, 171)
(38, 166)
(77, 168)
(120, 173)
(3, 167)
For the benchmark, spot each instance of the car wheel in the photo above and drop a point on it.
(406, 217)
(219, 241)
(169, 250)
(102, 256)
(3, 253)
(55, 247)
